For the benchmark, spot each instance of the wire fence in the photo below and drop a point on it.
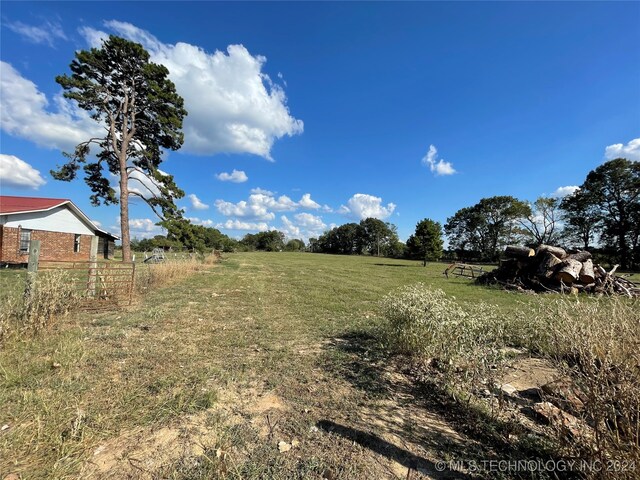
(98, 285)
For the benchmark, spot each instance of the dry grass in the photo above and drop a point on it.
(46, 297)
(594, 341)
(260, 349)
(597, 343)
(155, 275)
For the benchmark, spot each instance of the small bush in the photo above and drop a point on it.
(425, 323)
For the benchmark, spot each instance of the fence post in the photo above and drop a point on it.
(32, 267)
(93, 256)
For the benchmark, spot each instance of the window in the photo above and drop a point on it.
(25, 241)
(76, 243)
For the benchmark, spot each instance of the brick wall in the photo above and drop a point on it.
(53, 246)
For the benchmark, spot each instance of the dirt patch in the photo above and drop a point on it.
(142, 452)
(530, 373)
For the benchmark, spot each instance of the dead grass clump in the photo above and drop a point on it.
(597, 342)
(154, 275)
(49, 295)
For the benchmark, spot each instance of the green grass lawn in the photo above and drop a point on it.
(255, 350)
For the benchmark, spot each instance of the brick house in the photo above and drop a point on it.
(64, 231)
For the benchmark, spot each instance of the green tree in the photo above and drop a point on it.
(271, 241)
(581, 218)
(141, 112)
(426, 243)
(613, 191)
(487, 226)
(375, 236)
(294, 245)
(541, 224)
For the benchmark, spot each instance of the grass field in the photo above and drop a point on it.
(205, 378)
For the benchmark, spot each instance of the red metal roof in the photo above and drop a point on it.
(28, 204)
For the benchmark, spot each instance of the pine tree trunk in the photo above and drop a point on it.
(124, 214)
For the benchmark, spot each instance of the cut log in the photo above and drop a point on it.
(586, 272)
(557, 251)
(519, 251)
(581, 256)
(569, 271)
(548, 265)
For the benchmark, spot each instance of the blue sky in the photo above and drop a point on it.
(330, 112)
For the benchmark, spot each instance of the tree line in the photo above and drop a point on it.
(602, 215)
(142, 113)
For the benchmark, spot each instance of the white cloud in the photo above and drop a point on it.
(306, 202)
(236, 176)
(240, 225)
(18, 173)
(262, 191)
(140, 184)
(564, 191)
(362, 206)
(24, 114)
(304, 226)
(43, 34)
(289, 229)
(233, 106)
(145, 224)
(141, 228)
(259, 206)
(630, 151)
(440, 167)
(197, 221)
(196, 203)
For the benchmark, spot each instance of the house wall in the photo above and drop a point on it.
(53, 246)
(105, 248)
(59, 219)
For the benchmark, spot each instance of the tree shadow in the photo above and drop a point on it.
(389, 450)
(394, 265)
(434, 420)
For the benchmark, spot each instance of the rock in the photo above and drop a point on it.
(11, 476)
(564, 394)
(284, 446)
(506, 388)
(552, 415)
(4, 427)
(294, 443)
(55, 365)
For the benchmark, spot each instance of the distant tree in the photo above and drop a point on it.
(294, 245)
(581, 218)
(487, 226)
(426, 243)
(612, 190)
(344, 239)
(142, 114)
(374, 236)
(541, 224)
(271, 241)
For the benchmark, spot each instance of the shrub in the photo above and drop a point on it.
(425, 323)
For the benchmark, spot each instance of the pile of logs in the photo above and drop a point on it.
(552, 269)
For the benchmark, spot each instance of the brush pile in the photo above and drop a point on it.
(552, 269)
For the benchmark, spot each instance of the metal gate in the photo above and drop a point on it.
(98, 285)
